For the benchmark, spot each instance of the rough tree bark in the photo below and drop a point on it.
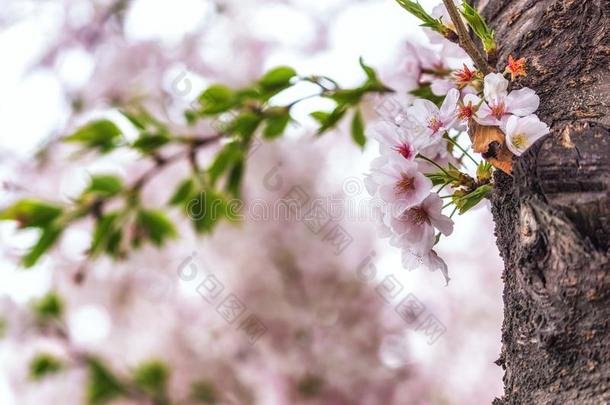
(553, 216)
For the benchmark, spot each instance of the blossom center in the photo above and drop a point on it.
(519, 141)
(498, 110)
(434, 124)
(418, 215)
(466, 111)
(405, 184)
(405, 150)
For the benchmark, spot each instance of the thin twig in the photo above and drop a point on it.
(465, 41)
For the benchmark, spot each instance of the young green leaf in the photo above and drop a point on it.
(43, 365)
(31, 213)
(103, 135)
(183, 192)
(48, 307)
(102, 386)
(278, 77)
(468, 201)
(204, 392)
(244, 124)
(149, 143)
(275, 126)
(332, 119)
(369, 71)
(107, 235)
(154, 225)
(47, 239)
(418, 11)
(226, 158)
(358, 129)
(152, 377)
(217, 99)
(104, 185)
(479, 26)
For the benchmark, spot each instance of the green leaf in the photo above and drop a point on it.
(479, 26)
(31, 213)
(320, 116)
(206, 209)
(102, 386)
(484, 171)
(104, 185)
(332, 119)
(234, 179)
(275, 126)
(204, 392)
(227, 157)
(418, 11)
(103, 135)
(358, 129)
(348, 96)
(369, 71)
(152, 377)
(43, 365)
(183, 191)
(154, 225)
(48, 307)
(47, 239)
(244, 124)
(310, 386)
(149, 143)
(425, 91)
(107, 235)
(468, 201)
(217, 99)
(278, 77)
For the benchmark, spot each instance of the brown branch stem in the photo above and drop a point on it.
(465, 41)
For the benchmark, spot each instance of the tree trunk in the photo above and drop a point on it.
(553, 216)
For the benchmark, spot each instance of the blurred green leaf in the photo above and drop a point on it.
(182, 193)
(156, 226)
(104, 185)
(102, 386)
(46, 240)
(31, 213)
(244, 124)
(204, 392)
(275, 126)
(278, 77)
(358, 129)
(103, 135)
(149, 143)
(332, 119)
(50, 306)
(226, 158)
(107, 235)
(43, 365)
(217, 99)
(152, 377)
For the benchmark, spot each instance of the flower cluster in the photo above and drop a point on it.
(418, 142)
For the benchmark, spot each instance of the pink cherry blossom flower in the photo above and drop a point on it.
(522, 132)
(436, 120)
(498, 104)
(416, 226)
(398, 183)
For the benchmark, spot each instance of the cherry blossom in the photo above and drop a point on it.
(498, 104)
(436, 120)
(522, 132)
(398, 183)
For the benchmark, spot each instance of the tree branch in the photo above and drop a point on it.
(465, 41)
